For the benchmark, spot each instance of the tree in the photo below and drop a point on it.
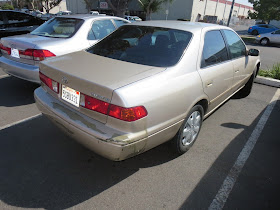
(152, 6)
(119, 7)
(49, 4)
(265, 10)
(7, 6)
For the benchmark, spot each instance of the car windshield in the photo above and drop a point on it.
(153, 46)
(59, 28)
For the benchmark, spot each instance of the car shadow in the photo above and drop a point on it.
(43, 168)
(207, 188)
(16, 92)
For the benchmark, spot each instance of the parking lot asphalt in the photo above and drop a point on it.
(40, 167)
(269, 54)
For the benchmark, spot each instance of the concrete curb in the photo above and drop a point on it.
(267, 81)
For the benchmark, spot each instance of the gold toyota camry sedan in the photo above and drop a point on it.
(146, 83)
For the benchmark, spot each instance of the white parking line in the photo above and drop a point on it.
(20, 121)
(223, 193)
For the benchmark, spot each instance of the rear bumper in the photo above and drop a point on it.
(91, 133)
(20, 70)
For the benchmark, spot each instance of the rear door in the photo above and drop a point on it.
(275, 37)
(237, 51)
(215, 68)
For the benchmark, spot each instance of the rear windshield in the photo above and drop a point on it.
(59, 28)
(153, 46)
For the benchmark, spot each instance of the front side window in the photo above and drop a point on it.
(236, 46)
(144, 45)
(214, 49)
(277, 32)
(100, 29)
(59, 28)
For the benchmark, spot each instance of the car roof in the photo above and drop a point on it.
(180, 25)
(89, 16)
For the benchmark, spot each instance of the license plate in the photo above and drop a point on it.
(70, 95)
(14, 53)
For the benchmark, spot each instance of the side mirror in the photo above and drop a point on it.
(273, 32)
(254, 52)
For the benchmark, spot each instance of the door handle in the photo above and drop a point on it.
(209, 83)
(236, 71)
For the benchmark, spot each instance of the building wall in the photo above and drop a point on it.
(179, 9)
(192, 10)
(275, 23)
(76, 6)
(219, 8)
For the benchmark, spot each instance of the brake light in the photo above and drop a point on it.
(250, 27)
(4, 49)
(53, 85)
(37, 55)
(125, 114)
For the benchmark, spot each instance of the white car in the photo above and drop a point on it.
(267, 38)
(22, 54)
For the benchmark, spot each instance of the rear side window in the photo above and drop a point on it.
(214, 49)
(100, 29)
(236, 47)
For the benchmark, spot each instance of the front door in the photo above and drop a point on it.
(237, 51)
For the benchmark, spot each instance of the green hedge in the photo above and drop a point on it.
(274, 72)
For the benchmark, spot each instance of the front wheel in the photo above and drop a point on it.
(189, 130)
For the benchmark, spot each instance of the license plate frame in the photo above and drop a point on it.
(70, 95)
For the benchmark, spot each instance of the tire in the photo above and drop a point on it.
(246, 90)
(264, 41)
(255, 32)
(189, 130)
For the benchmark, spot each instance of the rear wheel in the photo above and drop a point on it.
(189, 130)
(264, 41)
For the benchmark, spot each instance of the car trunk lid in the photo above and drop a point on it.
(94, 75)
(24, 42)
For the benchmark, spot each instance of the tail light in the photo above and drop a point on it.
(250, 27)
(5, 50)
(125, 114)
(37, 55)
(53, 85)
